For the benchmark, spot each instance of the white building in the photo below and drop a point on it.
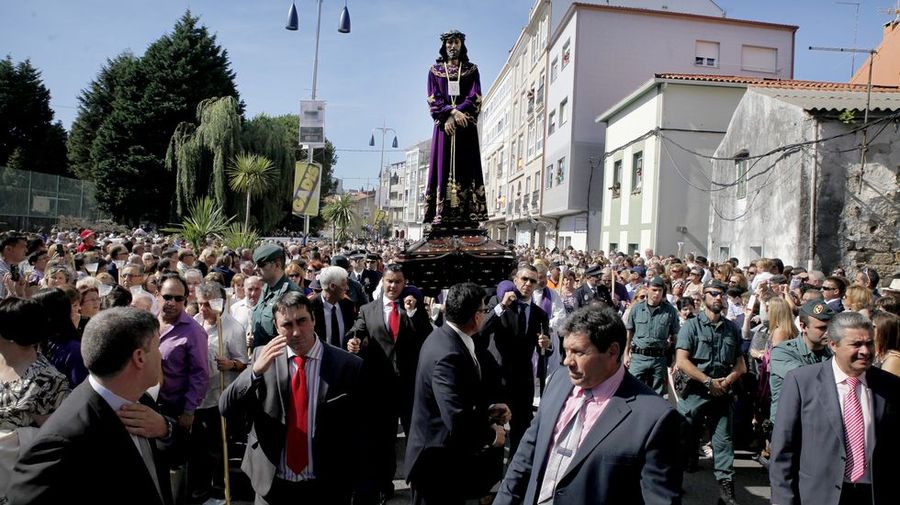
(597, 55)
(655, 191)
(418, 157)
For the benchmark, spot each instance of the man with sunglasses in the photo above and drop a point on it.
(269, 259)
(810, 348)
(183, 345)
(709, 352)
(514, 325)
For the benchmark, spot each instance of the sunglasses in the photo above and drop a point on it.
(295, 275)
(530, 280)
(169, 298)
(715, 294)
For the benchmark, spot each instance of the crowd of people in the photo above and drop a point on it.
(163, 341)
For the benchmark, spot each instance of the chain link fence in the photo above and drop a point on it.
(30, 200)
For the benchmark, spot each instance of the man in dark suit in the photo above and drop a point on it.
(455, 444)
(600, 437)
(333, 313)
(592, 289)
(301, 396)
(835, 439)
(370, 277)
(513, 325)
(388, 335)
(108, 428)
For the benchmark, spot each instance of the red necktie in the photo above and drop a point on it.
(394, 321)
(297, 421)
(854, 433)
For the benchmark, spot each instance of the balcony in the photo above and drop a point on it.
(535, 198)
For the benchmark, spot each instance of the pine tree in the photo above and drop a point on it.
(29, 138)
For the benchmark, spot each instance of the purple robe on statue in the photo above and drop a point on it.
(468, 205)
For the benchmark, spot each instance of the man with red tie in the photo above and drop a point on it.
(835, 440)
(388, 335)
(302, 398)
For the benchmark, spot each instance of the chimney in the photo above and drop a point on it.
(890, 26)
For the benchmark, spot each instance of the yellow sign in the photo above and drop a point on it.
(307, 185)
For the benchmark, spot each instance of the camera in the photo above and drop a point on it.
(14, 273)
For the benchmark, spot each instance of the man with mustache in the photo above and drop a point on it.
(709, 352)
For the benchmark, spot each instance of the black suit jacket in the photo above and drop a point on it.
(387, 362)
(584, 295)
(266, 400)
(83, 454)
(348, 313)
(630, 456)
(450, 421)
(513, 347)
(369, 280)
(808, 450)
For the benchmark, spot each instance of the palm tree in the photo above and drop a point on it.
(204, 218)
(254, 174)
(342, 215)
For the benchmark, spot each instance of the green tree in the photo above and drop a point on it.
(252, 174)
(198, 155)
(270, 137)
(341, 213)
(150, 99)
(29, 138)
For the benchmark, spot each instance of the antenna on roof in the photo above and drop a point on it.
(855, 31)
(895, 11)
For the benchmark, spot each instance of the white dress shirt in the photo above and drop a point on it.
(313, 364)
(114, 401)
(865, 401)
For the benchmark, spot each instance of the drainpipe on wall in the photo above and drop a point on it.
(813, 182)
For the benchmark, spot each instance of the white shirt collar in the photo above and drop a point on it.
(840, 376)
(115, 401)
(467, 340)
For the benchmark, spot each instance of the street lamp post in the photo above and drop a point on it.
(384, 130)
(294, 25)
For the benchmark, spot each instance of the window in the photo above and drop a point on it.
(706, 54)
(617, 179)
(539, 97)
(548, 176)
(514, 162)
(724, 253)
(566, 53)
(554, 70)
(613, 247)
(530, 140)
(551, 123)
(637, 171)
(741, 164)
(759, 59)
(515, 113)
(527, 185)
(520, 152)
(539, 134)
(563, 111)
(561, 170)
(633, 248)
(534, 48)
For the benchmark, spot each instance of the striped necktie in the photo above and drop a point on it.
(854, 433)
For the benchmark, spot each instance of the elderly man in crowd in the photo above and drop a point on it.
(242, 309)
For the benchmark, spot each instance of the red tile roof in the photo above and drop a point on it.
(776, 83)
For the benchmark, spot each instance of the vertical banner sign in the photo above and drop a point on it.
(307, 183)
(312, 123)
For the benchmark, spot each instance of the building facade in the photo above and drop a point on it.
(655, 190)
(414, 178)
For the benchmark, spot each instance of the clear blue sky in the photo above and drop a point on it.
(376, 74)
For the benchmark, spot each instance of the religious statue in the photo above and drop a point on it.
(454, 193)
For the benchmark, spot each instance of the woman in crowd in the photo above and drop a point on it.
(781, 321)
(63, 347)
(685, 308)
(858, 299)
(887, 341)
(567, 290)
(89, 293)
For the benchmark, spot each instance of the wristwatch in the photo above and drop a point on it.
(708, 382)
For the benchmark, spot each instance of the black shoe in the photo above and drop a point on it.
(726, 492)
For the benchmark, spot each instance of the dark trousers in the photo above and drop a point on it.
(312, 492)
(855, 494)
(206, 465)
(522, 414)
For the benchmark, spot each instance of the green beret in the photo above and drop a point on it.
(267, 252)
(817, 309)
(658, 282)
(715, 284)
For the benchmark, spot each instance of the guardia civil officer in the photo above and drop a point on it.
(652, 327)
(269, 259)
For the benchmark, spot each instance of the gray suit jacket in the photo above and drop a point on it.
(630, 456)
(808, 454)
(265, 401)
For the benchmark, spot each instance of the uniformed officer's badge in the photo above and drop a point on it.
(819, 309)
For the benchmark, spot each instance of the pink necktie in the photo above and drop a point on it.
(854, 433)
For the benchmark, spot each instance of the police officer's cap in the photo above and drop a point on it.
(715, 284)
(340, 260)
(373, 256)
(817, 309)
(267, 252)
(593, 272)
(657, 282)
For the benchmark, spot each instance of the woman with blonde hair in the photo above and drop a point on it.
(858, 299)
(781, 321)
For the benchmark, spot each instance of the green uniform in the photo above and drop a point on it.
(263, 318)
(714, 349)
(652, 327)
(787, 356)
